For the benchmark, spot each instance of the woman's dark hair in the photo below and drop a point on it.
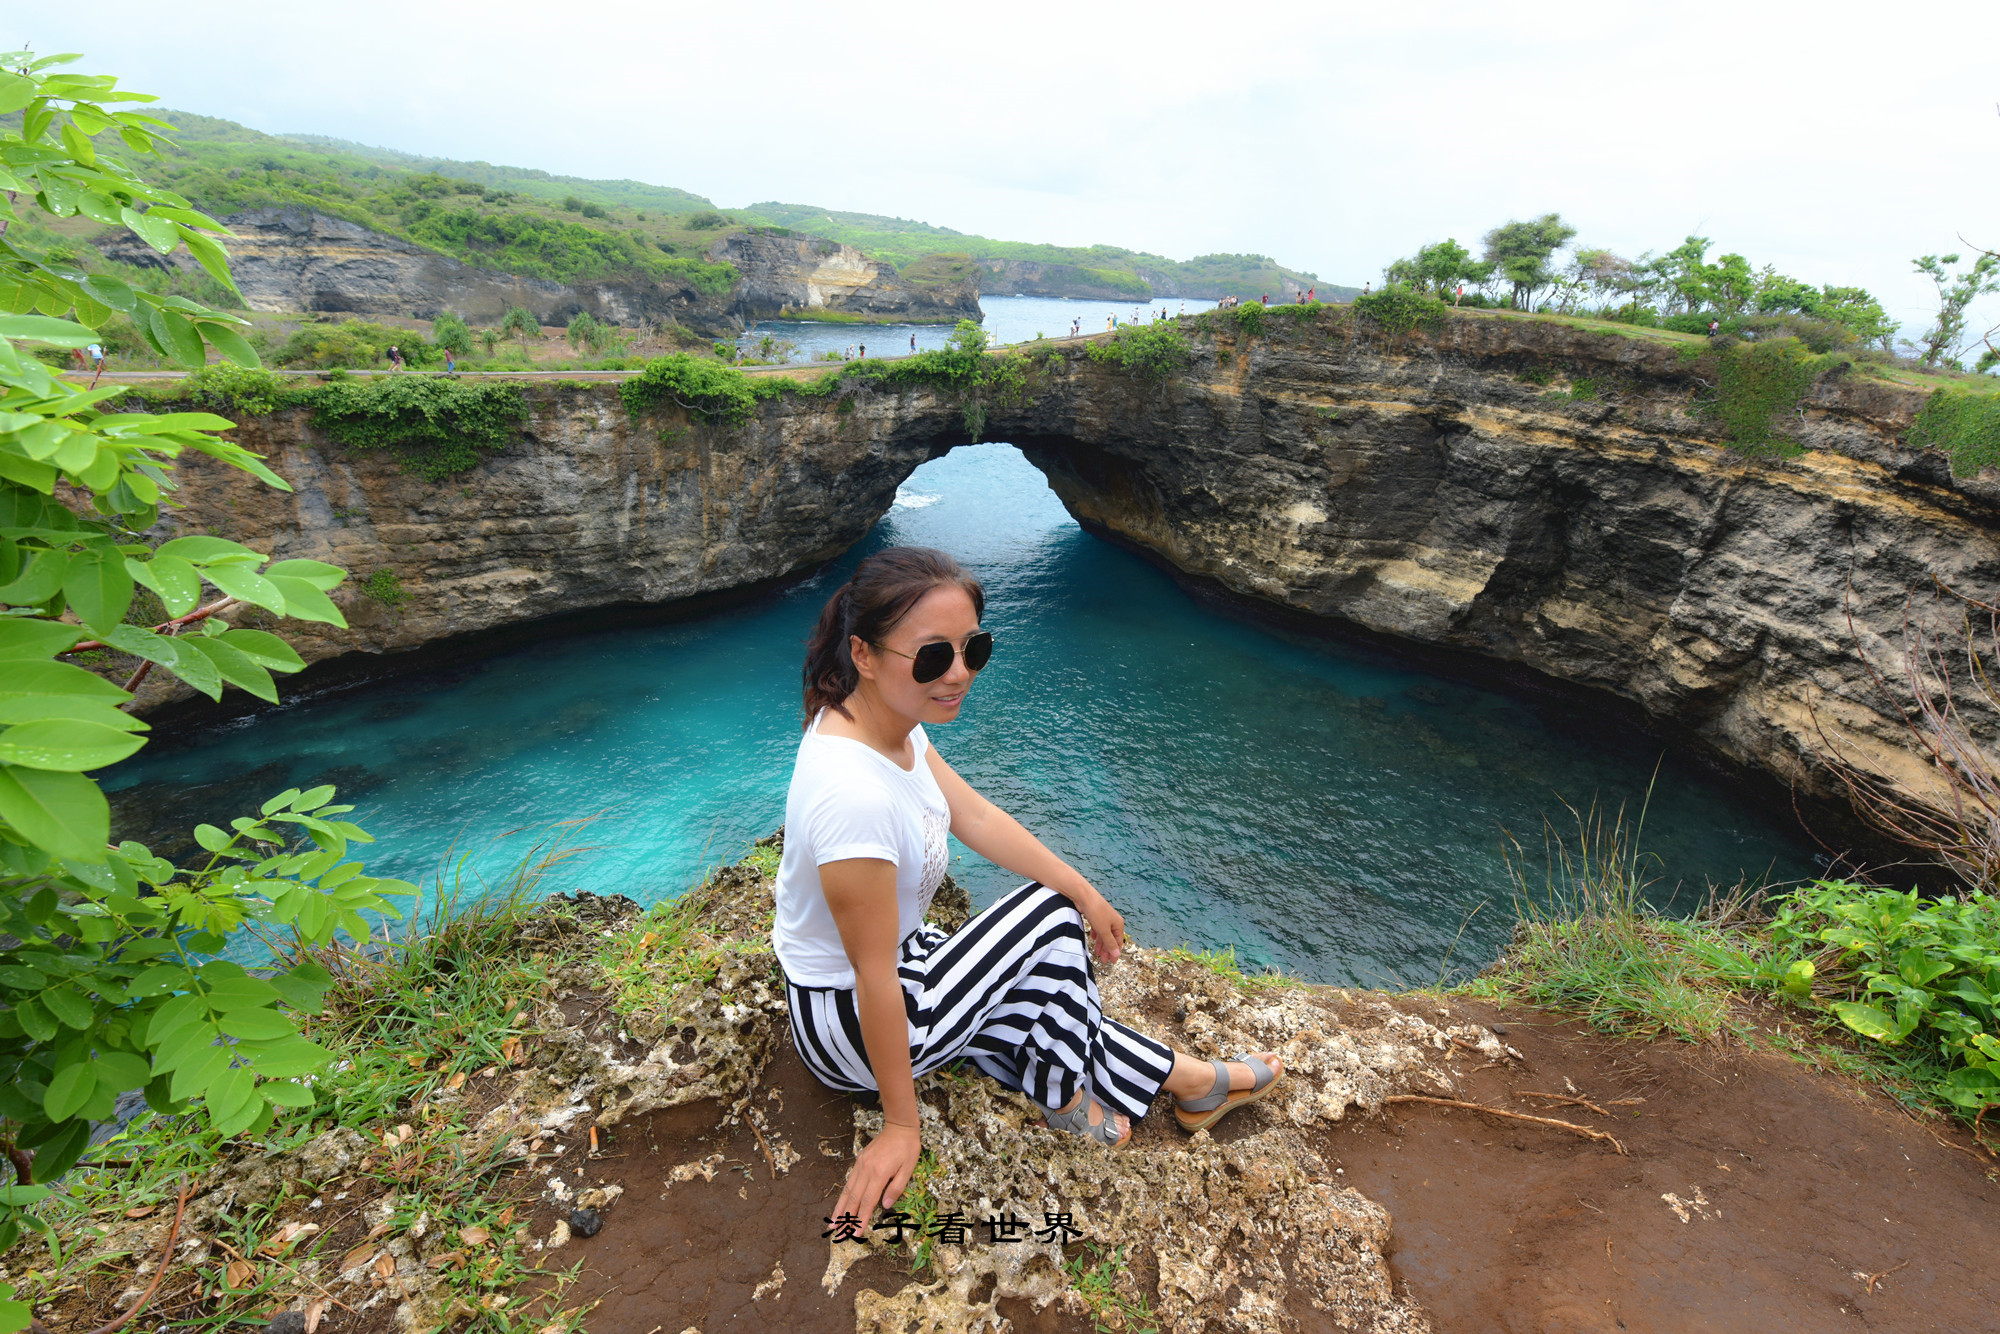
(880, 593)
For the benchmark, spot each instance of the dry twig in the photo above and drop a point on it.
(1572, 1126)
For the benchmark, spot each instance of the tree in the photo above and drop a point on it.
(448, 331)
(487, 338)
(1850, 307)
(1943, 341)
(109, 979)
(1520, 253)
(522, 324)
(1438, 269)
(1679, 279)
(583, 331)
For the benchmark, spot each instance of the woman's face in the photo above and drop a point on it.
(943, 615)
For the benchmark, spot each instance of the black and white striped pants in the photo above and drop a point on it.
(1014, 991)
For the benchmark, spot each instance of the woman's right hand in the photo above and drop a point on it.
(881, 1174)
(1107, 924)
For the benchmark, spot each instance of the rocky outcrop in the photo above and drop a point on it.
(1550, 501)
(292, 259)
(793, 274)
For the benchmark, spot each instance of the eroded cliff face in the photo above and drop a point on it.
(293, 259)
(1585, 522)
(1592, 529)
(791, 273)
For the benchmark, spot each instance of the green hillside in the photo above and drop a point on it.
(522, 222)
(569, 229)
(900, 241)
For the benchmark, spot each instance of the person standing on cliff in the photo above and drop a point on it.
(876, 995)
(96, 354)
(1263, 298)
(395, 357)
(864, 352)
(913, 342)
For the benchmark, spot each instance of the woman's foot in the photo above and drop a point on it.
(1085, 1116)
(1231, 1084)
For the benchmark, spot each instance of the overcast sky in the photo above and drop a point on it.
(1834, 140)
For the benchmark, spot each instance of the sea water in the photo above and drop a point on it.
(1322, 809)
(1006, 320)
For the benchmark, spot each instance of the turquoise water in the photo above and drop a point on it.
(1321, 809)
(1006, 319)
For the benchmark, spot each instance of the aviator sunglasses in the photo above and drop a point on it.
(931, 661)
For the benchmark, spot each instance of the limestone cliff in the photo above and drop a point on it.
(1515, 492)
(292, 259)
(791, 273)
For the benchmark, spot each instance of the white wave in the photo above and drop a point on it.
(913, 500)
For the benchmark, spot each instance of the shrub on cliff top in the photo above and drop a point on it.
(1401, 310)
(1965, 426)
(437, 426)
(1757, 384)
(720, 393)
(1153, 351)
(354, 343)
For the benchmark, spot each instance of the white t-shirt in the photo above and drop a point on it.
(847, 799)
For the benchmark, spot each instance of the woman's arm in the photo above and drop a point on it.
(1000, 839)
(861, 892)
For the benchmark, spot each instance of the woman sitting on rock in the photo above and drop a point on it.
(878, 996)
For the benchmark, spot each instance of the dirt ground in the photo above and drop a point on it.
(1754, 1194)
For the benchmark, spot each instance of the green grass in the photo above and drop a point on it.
(1094, 1273)
(1223, 964)
(1591, 943)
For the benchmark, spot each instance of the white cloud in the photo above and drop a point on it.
(1836, 141)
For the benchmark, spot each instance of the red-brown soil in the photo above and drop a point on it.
(1811, 1205)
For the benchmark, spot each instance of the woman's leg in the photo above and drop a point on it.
(1014, 990)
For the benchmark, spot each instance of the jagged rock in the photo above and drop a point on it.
(294, 259)
(328, 1154)
(585, 1222)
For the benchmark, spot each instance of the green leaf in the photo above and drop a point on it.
(176, 336)
(286, 1094)
(211, 838)
(20, 1197)
(66, 745)
(317, 573)
(19, 975)
(233, 993)
(172, 578)
(159, 233)
(246, 586)
(197, 669)
(35, 1021)
(62, 813)
(193, 1076)
(1868, 1020)
(121, 1071)
(99, 590)
(260, 1024)
(202, 549)
(305, 603)
(234, 667)
(225, 339)
(84, 709)
(183, 1045)
(268, 649)
(69, 1090)
(41, 329)
(143, 643)
(72, 1009)
(23, 638)
(227, 1094)
(38, 582)
(15, 93)
(287, 1057)
(29, 678)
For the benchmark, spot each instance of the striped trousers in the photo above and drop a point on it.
(1013, 991)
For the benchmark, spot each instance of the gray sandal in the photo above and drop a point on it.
(1076, 1121)
(1203, 1112)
